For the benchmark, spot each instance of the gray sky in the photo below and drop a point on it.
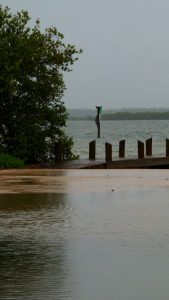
(126, 49)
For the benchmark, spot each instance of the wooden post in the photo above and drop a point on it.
(108, 152)
(97, 119)
(167, 147)
(58, 151)
(122, 148)
(149, 147)
(140, 150)
(98, 130)
(92, 150)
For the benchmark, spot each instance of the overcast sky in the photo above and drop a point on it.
(126, 49)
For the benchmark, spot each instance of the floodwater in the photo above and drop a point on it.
(84, 234)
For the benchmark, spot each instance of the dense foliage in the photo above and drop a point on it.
(32, 64)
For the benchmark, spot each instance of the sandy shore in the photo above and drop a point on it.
(70, 181)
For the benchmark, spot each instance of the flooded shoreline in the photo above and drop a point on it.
(63, 181)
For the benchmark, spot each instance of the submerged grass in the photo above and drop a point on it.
(9, 161)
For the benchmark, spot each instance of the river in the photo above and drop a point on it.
(84, 234)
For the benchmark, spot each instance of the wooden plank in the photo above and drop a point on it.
(140, 150)
(108, 152)
(149, 147)
(167, 147)
(92, 150)
(122, 149)
(132, 163)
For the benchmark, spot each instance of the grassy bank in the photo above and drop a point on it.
(9, 161)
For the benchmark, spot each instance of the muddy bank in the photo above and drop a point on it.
(67, 181)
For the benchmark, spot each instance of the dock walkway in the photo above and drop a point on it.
(123, 163)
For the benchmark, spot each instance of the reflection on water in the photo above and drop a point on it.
(31, 202)
(28, 269)
(33, 257)
(85, 246)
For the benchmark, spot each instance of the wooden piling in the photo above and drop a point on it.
(98, 130)
(122, 149)
(140, 150)
(108, 152)
(149, 147)
(92, 150)
(58, 151)
(167, 147)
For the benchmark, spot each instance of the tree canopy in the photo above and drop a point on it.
(32, 64)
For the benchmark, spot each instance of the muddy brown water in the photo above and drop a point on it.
(84, 234)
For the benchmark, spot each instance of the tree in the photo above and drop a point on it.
(32, 64)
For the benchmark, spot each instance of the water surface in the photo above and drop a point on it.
(113, 131)
(90, 245)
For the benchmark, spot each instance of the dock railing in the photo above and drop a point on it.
(144, 149)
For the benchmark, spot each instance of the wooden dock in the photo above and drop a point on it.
(145, 163)
(131, 163)
(144, 158)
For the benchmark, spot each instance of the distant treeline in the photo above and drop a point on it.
(146, 115)
(137, 116)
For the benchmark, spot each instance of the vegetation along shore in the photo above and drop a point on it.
(149, 114)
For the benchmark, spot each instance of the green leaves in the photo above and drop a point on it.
(31, 86)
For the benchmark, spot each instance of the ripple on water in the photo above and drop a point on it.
(84, 245)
